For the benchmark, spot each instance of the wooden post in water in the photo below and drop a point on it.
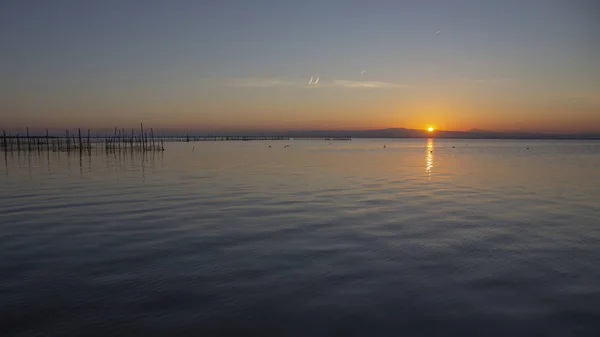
(80, 142)
(131, 140)
(142, 136)
(152, 136)
(28, 140)
(68, 140)
(4, 141)
(47, 141)
(18, 143)
(114, 140)
(89, 145)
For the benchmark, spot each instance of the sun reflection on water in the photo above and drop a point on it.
(429, 157)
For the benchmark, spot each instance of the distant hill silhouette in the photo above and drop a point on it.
(414, 133)
(396, 133)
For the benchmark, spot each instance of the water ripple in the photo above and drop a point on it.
(344, 239)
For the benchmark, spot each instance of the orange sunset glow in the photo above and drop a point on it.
(300, 168)
(272, 79)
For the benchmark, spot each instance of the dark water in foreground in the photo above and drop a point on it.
(420, 239)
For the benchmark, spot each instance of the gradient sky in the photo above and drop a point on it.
(497, 65)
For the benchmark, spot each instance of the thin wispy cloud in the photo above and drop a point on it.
(368, 84)
(313, 83)
(259, 83)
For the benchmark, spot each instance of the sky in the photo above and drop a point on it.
(518, 65)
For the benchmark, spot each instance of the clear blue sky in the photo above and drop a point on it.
(528, 64)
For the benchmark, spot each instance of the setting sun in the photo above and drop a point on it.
(430, 129)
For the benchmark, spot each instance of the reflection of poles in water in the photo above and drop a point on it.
(90, 160)
(29, 164)
(143, 167)
(122, 159)
(81, 162)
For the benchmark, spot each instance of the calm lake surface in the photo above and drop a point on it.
(422, 238)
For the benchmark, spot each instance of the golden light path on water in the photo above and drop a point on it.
(429, 157)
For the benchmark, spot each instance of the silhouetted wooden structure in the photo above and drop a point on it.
(250, 138)
(121, 140)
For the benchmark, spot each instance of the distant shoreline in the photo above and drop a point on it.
(485, 138)
(392, 133)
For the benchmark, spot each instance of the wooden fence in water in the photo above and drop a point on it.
(122, 140)
(119, 141)
(209, 138)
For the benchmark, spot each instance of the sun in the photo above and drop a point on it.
(430, 129)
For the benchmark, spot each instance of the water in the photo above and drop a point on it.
(422, 238)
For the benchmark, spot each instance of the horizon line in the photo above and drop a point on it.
(35, 131)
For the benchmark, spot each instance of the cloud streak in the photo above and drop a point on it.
(367, 84)
(279, 83)
(259, 83)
